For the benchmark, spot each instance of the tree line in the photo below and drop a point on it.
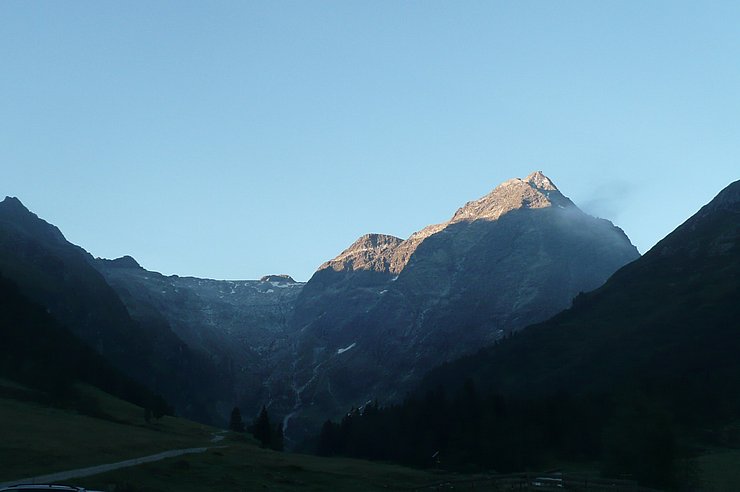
(269, 435)
(631, 436)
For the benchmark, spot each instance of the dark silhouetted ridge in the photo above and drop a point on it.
(122, 262)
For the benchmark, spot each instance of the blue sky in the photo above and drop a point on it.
(237, 139)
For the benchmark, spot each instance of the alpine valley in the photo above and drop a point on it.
(367, 326)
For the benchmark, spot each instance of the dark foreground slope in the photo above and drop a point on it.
(36, 351)
(61, 277)
(637, 375)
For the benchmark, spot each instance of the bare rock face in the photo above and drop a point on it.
(281, 278)
(238, 325)
(370, 252)
(371, 321)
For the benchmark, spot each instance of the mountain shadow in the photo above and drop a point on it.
(61, 277)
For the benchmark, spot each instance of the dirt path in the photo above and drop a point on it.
(218, 436)
(95, 470)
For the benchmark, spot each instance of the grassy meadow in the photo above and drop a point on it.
(39, 439)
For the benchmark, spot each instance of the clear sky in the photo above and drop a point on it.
(237, 139)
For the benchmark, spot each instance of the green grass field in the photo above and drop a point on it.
(719, 470)
(38, 439)
(244, 466)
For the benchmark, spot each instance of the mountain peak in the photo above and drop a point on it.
(13, 203)
(281, 278)
(369, 252)
(540, 181)
(374, 240)
(382, 252)
(16, 215)
(122, 262)
(534, 191)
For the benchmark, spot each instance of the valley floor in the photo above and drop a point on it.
(38, 439)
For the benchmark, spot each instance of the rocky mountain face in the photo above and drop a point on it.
(237, 325)
(373, 320)
(367, 325)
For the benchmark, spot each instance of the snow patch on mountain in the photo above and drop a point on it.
(343, 350)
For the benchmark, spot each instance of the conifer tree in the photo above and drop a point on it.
(277, 440)
(236, 424)
(261, 429)
(327, 439)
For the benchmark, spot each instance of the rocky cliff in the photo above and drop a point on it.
(238, 324)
